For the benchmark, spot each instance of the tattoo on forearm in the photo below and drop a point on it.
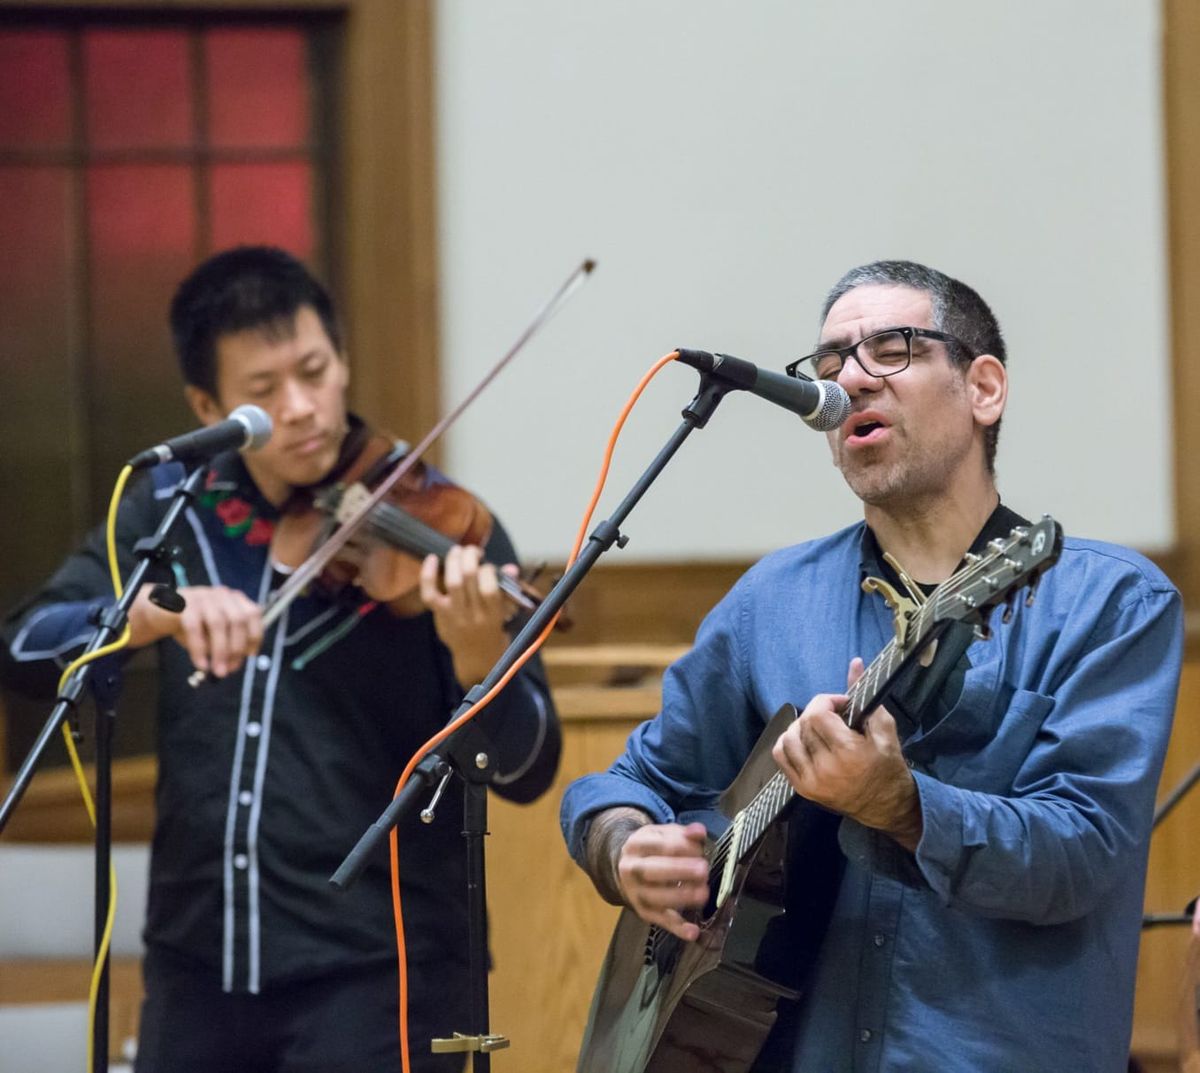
(605, 838)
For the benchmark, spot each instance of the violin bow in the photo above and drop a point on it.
(299, 579)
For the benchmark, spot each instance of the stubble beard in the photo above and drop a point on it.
(900, 482)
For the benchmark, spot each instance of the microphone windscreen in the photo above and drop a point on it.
(257, 423)
(834, 408)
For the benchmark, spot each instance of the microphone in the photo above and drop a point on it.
(821, 404)
(247, 426)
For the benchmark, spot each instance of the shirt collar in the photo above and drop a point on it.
(998, 525)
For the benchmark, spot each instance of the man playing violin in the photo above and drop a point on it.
(964, 873)
(271, 768)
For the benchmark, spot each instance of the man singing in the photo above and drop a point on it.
(970, 874)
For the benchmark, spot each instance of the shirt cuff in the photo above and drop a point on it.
(595, 793)
(945, 841)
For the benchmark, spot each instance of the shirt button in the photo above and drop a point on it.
(245, 797)
(263, 663)
(240, 861)
(865, 1035)
(253, 730)
(880, 940)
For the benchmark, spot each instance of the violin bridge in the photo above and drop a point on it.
(351, 501)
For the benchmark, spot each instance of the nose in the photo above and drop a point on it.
(855, 379)
(296, 403)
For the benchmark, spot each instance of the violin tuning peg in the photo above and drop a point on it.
(530, 574)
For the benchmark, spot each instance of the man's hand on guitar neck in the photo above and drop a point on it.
(863, 776)
(658, 870)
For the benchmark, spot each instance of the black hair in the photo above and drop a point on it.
(958, 310)
(246, 287)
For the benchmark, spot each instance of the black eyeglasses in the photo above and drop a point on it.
(882, 354)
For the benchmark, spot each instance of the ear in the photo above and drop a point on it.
(987, 388)
(203, 405)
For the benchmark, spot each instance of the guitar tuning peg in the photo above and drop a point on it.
(971, 558)
(1021, 532)
(983, 632)
(996, 546)
(1007, 617)
(1033, 587)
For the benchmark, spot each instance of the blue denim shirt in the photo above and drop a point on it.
(1009, 940)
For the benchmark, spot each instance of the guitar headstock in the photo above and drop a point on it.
(995, 577)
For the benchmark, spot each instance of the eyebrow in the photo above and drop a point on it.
(840, 342)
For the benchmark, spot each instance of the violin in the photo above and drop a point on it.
(418, 517)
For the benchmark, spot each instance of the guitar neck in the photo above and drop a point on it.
(864, 696)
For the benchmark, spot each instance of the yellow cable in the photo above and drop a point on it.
(119, 643)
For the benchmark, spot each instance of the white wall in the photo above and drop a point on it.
(725, 163)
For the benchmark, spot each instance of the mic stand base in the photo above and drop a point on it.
(458, 1043)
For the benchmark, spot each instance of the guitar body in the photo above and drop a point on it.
(663, 1005)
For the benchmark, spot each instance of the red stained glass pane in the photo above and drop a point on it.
(142, 234)
(269, 203)
(257, 88)
(35, 411)
(35, 275)
(35, 94)
(137, 89)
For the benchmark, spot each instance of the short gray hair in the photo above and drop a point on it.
(957, 310)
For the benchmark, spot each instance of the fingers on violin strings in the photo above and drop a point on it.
(489, 586)
(452, 579)
(463, 582)
(431, 592)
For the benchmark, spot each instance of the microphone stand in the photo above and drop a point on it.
(110, 624)
(1177, 794)
(458, 754)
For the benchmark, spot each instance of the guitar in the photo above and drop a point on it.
(663, 1005)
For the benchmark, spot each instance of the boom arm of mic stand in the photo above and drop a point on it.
(608, 532)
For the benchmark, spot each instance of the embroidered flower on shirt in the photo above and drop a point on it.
(260, 532)
(235, 513)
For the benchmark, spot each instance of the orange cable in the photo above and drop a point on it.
(479, 705)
